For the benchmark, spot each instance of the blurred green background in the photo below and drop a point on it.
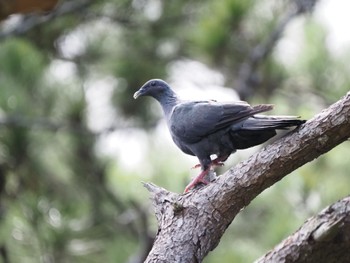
(75, 146)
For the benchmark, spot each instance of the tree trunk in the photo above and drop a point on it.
(191, 225)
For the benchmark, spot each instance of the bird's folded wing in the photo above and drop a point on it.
(191, 121)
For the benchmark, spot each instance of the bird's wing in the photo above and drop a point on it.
(191, 121)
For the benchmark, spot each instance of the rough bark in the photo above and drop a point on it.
(323, 238)
(191, 225)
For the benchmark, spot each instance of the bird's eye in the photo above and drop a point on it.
(153, 83)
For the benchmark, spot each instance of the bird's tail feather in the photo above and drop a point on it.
(260, 122)
(261, 108)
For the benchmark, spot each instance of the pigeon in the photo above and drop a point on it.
(206, 128)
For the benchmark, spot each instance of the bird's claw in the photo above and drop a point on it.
(213, 163)
(196, 166)
(199, 179)
(218, 163)
(194, 183)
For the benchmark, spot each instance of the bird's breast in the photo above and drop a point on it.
(183, 146)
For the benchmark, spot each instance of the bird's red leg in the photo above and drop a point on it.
(197, 180)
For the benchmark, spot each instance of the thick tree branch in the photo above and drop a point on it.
(323, 238)
(191, 225)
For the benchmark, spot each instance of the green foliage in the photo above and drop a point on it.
(21, 60)
(215, 34)
(21, 67)
(322, 71)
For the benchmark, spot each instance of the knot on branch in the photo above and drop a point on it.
(166, 204)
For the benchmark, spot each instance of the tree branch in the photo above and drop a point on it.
(245, 82)
(191, 225)
(31, 21)
(323, 238)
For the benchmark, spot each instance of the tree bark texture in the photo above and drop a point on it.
(323, 238)
(191, 225)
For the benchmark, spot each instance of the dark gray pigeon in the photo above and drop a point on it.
(205, 128)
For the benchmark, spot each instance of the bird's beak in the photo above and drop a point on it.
(137, 94)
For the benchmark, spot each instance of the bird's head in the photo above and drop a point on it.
(155, 88)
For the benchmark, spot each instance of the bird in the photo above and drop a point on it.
(206, 128)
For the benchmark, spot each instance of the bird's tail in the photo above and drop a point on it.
(259, 128)
(262, 122)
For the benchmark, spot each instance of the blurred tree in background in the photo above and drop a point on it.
(74, 145)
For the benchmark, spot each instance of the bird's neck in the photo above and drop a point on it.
(168, 102)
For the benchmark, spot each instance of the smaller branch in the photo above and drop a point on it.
(31, 21)
(246, 81)
(323, 238)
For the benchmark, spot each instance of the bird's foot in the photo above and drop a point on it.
(196, 166)
(215, 162)
(195, 183)
(199, 179)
